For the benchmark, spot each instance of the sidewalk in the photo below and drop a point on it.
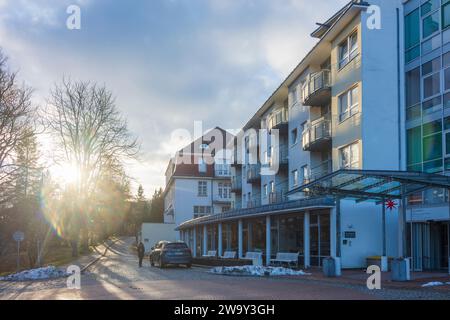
(359, 277)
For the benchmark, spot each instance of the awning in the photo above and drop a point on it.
(373, 185)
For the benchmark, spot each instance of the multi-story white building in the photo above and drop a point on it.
(342, 134)
(198, 179)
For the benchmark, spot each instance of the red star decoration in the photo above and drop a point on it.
(391, 205)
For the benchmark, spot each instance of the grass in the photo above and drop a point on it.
(56, 256)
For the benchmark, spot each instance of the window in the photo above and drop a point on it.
(446, 15)
(414, 141)
(413, 87)
(431, 66)
(348, 49)
(272, 186)
(431, 85)
(429, 6)
(266, 191)
(430, 24)
(294, 136)
(305, 174)
(432, 141)
(412, 35)
(432, 105)
(348, 104)
(202, 189)
(295, 177)
(350, 156)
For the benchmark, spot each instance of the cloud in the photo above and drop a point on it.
(168, 63)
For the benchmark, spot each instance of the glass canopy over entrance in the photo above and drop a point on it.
(370, 185)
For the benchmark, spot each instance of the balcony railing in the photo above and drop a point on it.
(222, 199)
(278, 120)
(317, 89)
(254, 203)
(317, 134)
(253, 173)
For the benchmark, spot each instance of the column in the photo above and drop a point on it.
(306, 252)
(384, 259)
(448, 231)
(402, 227)
(194, 249)
(240, 240)
(268, 241)
(205, 240)
(219, 240)
(338, 256)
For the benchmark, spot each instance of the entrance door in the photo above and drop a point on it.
(319, 238)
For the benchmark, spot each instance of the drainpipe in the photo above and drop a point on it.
(194, 251)
(205, 240)
(219, 239)
(268, 241)
(240, 239)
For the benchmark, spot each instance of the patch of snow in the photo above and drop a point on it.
(433, 284)
(258, 271)
(36, 274)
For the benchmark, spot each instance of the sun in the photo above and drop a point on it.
(66, 173)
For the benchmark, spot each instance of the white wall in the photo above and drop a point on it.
(380, 90)
(366, 220)
(151, 233)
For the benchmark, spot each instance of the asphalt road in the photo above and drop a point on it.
(117, 276)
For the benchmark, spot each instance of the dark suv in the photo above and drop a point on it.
(175, 253)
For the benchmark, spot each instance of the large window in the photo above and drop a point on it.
(446, 14)
(349, 156)
(348, 49)
(295, 177)
(430, 24)
(414, 141)
(431, 85)
(348, 103)
(432, 146)
(412, 35)
(413, 87)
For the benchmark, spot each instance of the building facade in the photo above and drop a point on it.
(367, 97)
(198, 179)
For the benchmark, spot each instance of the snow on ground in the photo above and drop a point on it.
(434, 284)
(36, 274)
(258, 271)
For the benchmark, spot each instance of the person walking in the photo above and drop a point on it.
(141, 253)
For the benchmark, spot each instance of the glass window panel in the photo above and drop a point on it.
(447, 100)
(445, 16)
(413, 53)
(412, 29)
(432, 128)
(414, 140)
(413, 87)
(447, 143)
(447, 123)
(432, 105)
(447, 79)
(432, 85)
(413, 113)
(429, 6)
(431, 66)
(432, 147)
(430, 24)
(446, 59)
(431, 44)
(433, 166)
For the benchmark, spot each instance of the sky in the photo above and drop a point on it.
(168, 63)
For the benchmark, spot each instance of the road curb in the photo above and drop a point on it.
(99, 257)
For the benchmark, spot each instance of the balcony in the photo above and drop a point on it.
(253, 173)
(279, 120)
(281, 156)
(220, 199)
(236, 185)
(317, 135)
(321, 170)
(317, 89)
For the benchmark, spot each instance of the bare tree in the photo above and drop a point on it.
(17, 117)
(92, 136)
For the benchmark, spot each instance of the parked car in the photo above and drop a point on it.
(170, 253)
